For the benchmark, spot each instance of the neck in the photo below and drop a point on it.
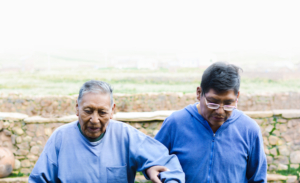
(91, 139)
(214, 128)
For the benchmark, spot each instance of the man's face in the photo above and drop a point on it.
(216, 117)
(94, 112)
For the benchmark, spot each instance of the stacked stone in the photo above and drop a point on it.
(58, 106)
(152, 102)
(281, 134)
(10, 133)
(46, 106)
(257, 102)
(26, 136)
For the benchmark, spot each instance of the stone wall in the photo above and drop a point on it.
(26, 136)
(280, 130)
(58, 106)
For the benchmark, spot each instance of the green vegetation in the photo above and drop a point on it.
(12, 175)
(127, 81)
(290, 171)
(63, 71)
(141, 174)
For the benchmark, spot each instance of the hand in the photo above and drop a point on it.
(153, 172)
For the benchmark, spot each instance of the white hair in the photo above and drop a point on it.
(95, 86)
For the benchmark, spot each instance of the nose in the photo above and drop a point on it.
(95, 118)
(220, 110)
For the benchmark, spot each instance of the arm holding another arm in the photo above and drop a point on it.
(154, 174)
(153, 157)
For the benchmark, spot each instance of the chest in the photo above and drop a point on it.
(105, 162)
(201, 149)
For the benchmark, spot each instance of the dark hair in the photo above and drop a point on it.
(221, 76)
(95, 86)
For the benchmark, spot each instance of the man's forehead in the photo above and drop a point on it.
(94, 93)
(95, 97)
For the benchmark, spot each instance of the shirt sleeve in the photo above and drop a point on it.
(257, 163)
(46, 169)
(150, 153)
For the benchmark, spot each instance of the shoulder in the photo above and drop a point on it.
(59, 133)
(128, 133)
(178, 116)
(178, 121)
(124, 127)
(248, 124)
(120, 125)
(67, 126)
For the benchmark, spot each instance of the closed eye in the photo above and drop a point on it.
(102, 113)
(88, 111)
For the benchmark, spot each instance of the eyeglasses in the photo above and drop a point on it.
(217, 106)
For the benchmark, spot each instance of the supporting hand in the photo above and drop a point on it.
(153, 172)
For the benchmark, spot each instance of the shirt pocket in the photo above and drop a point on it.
(116, 174)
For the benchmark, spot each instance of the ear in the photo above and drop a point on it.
(238, 95)
(77, 108)
(112, 111)
(237, 99)
(198, 92)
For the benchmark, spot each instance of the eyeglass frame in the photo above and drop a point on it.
(218, 105)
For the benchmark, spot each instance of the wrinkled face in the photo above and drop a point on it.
(94, 112)
(216, 117)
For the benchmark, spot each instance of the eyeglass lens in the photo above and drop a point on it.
(216, 106)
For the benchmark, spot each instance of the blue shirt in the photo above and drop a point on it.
(69, 157)
(234, 154)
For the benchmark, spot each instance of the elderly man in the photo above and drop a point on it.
(213, 140)
(98, 149)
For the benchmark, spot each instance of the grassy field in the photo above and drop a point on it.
(127, 81)
(62, 72)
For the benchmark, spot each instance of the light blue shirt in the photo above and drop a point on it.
(69, 157)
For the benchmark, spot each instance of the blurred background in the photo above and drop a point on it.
(51, 48)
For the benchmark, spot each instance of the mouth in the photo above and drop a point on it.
(219, 118)
(94, 129)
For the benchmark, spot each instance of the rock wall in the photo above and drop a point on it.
(58, 106)
(26, 136)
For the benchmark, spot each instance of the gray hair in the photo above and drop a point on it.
(95, 86)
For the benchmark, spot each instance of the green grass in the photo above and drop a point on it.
(290, 171)
(258, 85)
(62, 72)
(12, 175)
(127, 81)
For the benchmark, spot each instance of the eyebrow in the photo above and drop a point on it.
(93, 108)
(216, 100)
(212, 99)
